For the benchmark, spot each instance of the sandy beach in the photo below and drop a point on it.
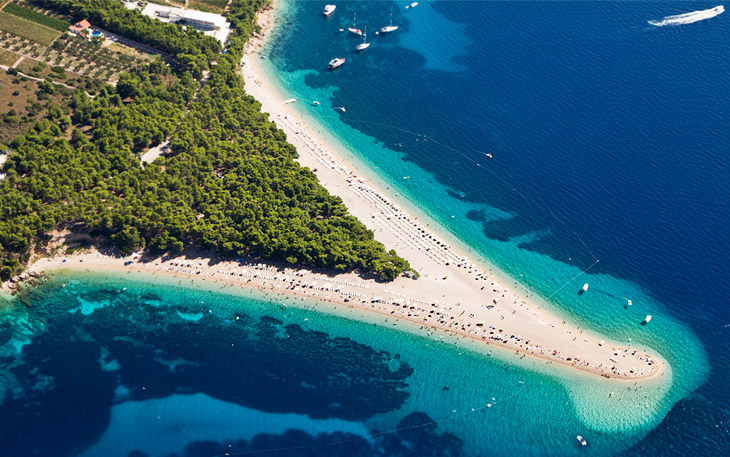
(454, 295)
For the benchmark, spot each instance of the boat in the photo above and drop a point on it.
(329, 9)
(342, 108)
(583, 289)
(315, 102)
(391, 27)
(629, 302)
(689, 18)
(336, 62)
(291, 100)
(354, 29)
(581, 440)
(647, 319)
(414, 4)
(364, 45)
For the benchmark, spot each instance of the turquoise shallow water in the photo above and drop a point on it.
(603, 132)
(109, 365)
(95, 364)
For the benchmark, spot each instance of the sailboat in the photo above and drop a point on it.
(354, 29)
(391, 27)
(364, 45)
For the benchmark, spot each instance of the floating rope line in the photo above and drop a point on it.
(485, 167)
(573, 279)
(502, 180)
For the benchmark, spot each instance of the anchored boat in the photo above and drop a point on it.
(354, 28)
(336, 62)
(364, 45)
(329, 9)
(391, 27)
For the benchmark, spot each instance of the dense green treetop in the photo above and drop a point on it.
(230, 181)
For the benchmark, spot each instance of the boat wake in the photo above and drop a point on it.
(689, 18)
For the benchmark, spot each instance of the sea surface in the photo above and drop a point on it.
(608, 141)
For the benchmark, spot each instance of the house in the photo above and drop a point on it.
(80, 26)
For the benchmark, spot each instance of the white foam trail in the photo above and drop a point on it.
(688, 18)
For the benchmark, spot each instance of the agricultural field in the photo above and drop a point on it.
(20, 45)
(23, 102)
(211, 6)
(36, 16)
(77, 55)
(91, 59)
(7, 58)
(27, 29)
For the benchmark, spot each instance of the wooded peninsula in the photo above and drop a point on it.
(229, 181)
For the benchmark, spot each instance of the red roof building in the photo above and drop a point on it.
(80, 26)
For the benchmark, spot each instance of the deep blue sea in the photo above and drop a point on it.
(607, 138)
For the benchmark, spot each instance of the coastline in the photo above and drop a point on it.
(347, 178)
(471, 302)
(365, 300)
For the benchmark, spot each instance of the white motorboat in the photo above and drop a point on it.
(581, 440)
(689, 18)
(647, 319)
(585, 287)
(329, 9)
(336, 62)
(364, 45)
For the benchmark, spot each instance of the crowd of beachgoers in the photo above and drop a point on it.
(439, 320)
(454, 298)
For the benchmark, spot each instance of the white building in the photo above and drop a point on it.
(211, 24)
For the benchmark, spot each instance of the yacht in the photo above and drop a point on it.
(329, 9)
(391, 27)
(364, 45)
(354, 28)
(689, 18)
(336, 62)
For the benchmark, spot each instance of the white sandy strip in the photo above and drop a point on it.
(505, 326)
(463, 293)
(453, 296)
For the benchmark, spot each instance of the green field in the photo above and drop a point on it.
(27, 29)
(7, 58)
(212, 6)
(34, 16)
